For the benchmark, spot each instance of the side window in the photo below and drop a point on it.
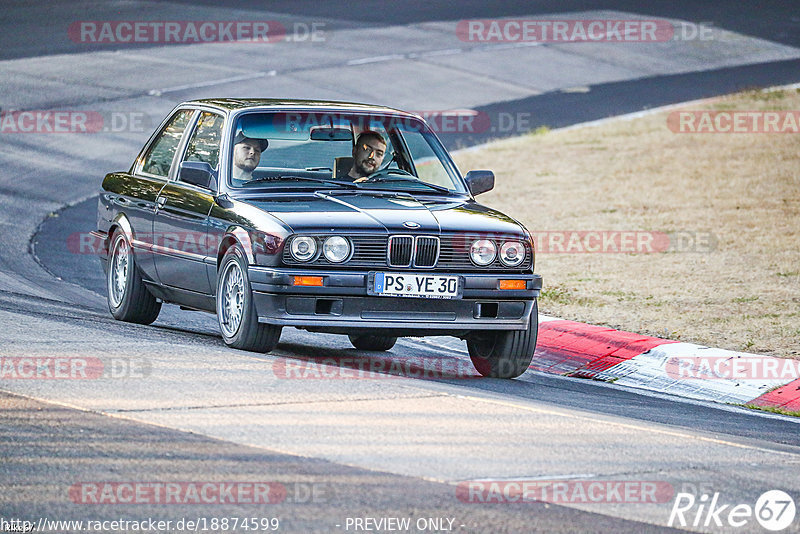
(205, 141)
(428, 165)
(159, 157)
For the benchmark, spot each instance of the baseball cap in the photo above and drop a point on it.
(242, 137)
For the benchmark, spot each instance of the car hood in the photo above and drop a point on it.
(324, 212)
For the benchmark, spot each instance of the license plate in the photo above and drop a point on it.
(430, 286)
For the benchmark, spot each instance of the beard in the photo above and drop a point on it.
(365, 168)
(247, 165)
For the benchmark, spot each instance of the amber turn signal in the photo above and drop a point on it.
(512, 284)
(307, 281)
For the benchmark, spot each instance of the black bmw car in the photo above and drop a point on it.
(328, 216)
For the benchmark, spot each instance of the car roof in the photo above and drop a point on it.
(231, 104)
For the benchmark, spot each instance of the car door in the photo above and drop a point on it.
(181, 220)
(152, 170)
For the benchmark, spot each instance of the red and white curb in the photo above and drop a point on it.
(569, 348)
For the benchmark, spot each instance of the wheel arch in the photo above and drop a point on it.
(236, 235)
(121, 222)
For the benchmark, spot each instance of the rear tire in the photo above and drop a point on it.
(372, 342)
(505, 354)
(128, 298)
(236, 312)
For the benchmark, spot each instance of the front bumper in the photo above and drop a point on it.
(343, 305)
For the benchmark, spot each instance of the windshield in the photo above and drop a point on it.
(308, 150)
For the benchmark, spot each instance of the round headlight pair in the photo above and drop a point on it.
(335, 248)
(484, 251)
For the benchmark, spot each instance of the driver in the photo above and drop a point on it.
(368, 155)
(246, 156)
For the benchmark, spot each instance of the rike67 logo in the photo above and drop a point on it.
(774, 510)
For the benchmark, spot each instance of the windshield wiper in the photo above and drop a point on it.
(405, 179)
(303, 179)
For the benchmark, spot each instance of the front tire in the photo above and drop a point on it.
(372, 342)
(236, 312)
(505, 354)
(128, 298)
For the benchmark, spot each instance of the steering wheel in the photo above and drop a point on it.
(385, 173)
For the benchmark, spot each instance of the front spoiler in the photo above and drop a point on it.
(343, 304)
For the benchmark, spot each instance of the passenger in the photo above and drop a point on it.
(246, 156)
(367, 155)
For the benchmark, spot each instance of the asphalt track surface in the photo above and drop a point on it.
(388, 445)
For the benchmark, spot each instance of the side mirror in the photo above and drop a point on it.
(479, 181)
(198, 173)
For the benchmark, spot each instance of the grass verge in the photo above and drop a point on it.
(773, 409)
(729, 204)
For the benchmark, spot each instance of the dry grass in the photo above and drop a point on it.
(742, 189)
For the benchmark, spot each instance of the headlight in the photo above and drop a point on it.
(512, 253)
(483, 252)
(304, 248)
(336, 249)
